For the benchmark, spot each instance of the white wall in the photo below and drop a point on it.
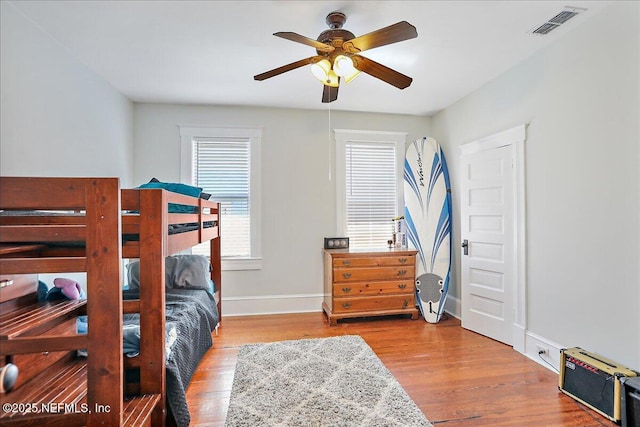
(298, 199)
(57, 118)
(581, 98)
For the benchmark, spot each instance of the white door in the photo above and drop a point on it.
(488, 254)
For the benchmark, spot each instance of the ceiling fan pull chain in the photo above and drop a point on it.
(330, 143)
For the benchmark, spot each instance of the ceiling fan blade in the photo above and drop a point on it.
(294, 37)
(384, 36)
(288, 67)
(329, 94)
(381, 72)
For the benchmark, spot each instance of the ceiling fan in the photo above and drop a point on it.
(338, 55)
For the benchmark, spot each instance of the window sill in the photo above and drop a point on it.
(238, 264)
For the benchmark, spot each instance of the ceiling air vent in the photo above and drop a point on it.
(556, 21)
(545, 28)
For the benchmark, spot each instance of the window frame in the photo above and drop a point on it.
(346, 136)
(187, 136)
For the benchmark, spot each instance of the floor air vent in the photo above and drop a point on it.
(556, 21)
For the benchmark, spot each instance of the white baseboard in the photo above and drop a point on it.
(302, 303)
(519, 335)
(533, 344)
(271, 304)
(453, 306)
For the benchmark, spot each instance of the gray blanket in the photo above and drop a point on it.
(195, 315)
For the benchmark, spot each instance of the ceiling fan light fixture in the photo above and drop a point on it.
(332, 79)
(321, 70)
(350, 77)
(343, 66)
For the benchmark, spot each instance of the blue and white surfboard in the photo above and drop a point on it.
(427, 200)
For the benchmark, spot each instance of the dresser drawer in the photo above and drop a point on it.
(374, 288)
(345, 275)
(374, 303)
(382, 261)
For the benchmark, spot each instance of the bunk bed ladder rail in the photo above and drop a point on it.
(153, 249)
(104, 305)
(100, 228)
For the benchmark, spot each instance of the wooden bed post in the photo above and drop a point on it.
(104, 302)
(153, 244)
(216, 264)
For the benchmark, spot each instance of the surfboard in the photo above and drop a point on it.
(427, 199)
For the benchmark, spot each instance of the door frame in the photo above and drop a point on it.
(514, 137)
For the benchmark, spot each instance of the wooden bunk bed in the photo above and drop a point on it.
(96, 225)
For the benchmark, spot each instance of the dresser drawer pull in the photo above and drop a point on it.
(346, 262)
(402, 286)
(406, 304)
(402, 272)
(346, 304)
(402, 260)
(346, 290)
(347, 275)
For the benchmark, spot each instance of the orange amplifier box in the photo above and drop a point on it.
(593, 380)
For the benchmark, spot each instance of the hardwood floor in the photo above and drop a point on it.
(456, 377)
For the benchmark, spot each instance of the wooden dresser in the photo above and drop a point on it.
(359, 283)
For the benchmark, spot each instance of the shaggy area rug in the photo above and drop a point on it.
(324, 382)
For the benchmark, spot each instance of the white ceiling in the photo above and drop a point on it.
(207, 52)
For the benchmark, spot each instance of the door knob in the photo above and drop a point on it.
(465, 245)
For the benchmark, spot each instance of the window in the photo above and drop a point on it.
(369, 168)
(225, 163)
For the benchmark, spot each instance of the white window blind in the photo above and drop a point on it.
(371, 193)
(222, 167)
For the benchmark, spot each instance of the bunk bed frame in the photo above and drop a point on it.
(90, 391)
